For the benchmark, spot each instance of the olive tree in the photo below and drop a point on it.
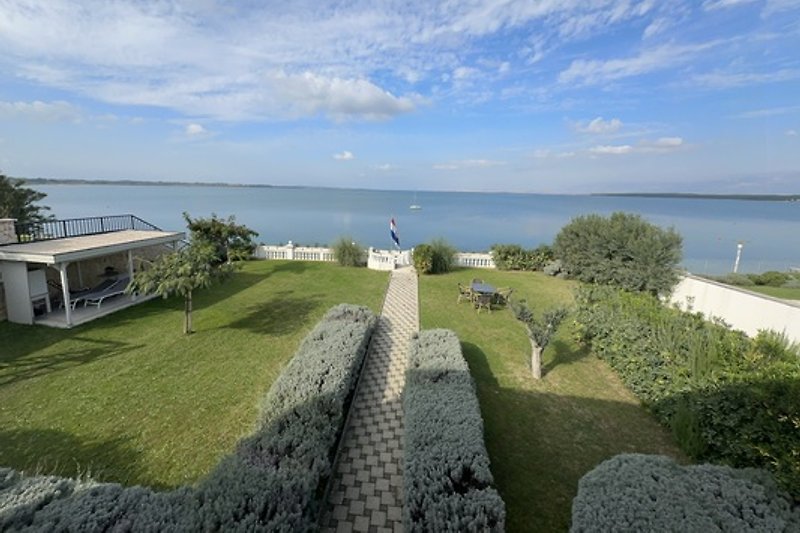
(540, 330)
(623, 250)
(230, 241)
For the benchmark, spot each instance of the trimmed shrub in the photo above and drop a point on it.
(623, 250)
(554, 268)
(447, 480)
(727, 398)
(514, 257)
(771, 278)
(739, 280)
(438, 257)
(633, 492)
(272, 482)
(349, 253)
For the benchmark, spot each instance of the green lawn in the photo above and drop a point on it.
(541, 436)
(776, 292)
(129, 398)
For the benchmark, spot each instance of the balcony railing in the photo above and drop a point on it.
(78, 227)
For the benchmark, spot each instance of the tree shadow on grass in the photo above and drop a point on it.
(15, 369)
(54, 452)
(282, 314)
(540, 443)
(562, 353)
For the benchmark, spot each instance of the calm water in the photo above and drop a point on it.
(470, 221)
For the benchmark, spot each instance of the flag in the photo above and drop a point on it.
(393, 231)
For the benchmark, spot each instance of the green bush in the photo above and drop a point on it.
(633, 492)
(447, 480)
(726, 397)
(771, 278)
(272, 482)
(514, 257)
(740, 280)
(349, 253)
(438, 257)
(623, 250)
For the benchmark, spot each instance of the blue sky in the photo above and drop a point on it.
(549, 96)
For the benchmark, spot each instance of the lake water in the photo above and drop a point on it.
(770, 231)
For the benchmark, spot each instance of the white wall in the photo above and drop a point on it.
(744, 310)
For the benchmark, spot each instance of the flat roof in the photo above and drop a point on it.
(86, 247)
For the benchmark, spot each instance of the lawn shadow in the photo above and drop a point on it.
(58, 453)
(21, 367)
(282, 314)
(541, 443)
(562, 353)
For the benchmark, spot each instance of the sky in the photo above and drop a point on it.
(542, 96)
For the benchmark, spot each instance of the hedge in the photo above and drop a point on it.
(515, 257)
(272, 482)
(634, 492)
(447, 481)
(726, 397)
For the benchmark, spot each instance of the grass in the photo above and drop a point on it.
(785, 293)
(129, 398)
(542, 437)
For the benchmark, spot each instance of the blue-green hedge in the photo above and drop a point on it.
(272, 482)
(634, 492)
(448, 484)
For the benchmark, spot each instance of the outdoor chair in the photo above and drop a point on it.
(464, 293)
(503, 296)
(476, 280)
(96, 298)
(77, 296)
(483, 301)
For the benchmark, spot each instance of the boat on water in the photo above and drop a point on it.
(414, 205)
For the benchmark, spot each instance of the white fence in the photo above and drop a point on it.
(376, 259)
(742, 309)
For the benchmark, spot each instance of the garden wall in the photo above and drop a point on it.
(742, 309)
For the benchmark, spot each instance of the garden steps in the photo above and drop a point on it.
(367, 487)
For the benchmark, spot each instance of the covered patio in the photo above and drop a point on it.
(25, 265)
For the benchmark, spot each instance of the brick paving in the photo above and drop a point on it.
(367, 493)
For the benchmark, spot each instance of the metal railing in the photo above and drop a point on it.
(79, 227)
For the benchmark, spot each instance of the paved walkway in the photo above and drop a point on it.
(367, 493)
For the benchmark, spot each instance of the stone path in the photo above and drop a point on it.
(367, 493)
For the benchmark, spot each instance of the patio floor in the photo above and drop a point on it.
(81, 315)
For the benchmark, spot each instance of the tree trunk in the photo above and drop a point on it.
(536, 360)
(187, 314)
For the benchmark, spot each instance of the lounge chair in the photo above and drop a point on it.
(96, 298)
(76, 296)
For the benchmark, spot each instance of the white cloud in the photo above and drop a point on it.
(195, 130)
(344, 156)
(791, 133)
(726, 80)
(599, 126)
(611, 149)
(711, 5)
(593, 72)
(468, 163)
(384, 167)
(56, 111)
(768, 112)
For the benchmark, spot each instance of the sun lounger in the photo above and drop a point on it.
(77, 296)
(96, 298)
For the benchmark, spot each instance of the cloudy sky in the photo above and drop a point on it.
(565, 96)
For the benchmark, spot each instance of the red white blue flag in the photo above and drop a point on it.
(393, 231)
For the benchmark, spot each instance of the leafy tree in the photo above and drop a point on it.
(230, 241)
(19, 202)
(191, 268)
(438, 257)
(540, 330)
(348, 252)
(623, 250)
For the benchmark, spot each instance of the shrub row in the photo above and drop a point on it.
(634, 492)
(437, 257)
(448, 484)
(272, 482)
(771, 278)
(726, 397)
(515, 257)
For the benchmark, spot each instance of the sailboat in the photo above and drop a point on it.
(415, 205)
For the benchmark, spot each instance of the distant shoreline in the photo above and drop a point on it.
(163, 183)
(704, 196)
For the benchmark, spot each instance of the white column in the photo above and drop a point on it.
(130, 270)
(62, 270)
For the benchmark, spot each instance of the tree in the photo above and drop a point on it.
(540, 331)
(231, 241)
(624, 251)
(348, 252)
(191, 268)
(19, 202)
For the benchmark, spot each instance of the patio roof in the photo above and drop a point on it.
(86, 247)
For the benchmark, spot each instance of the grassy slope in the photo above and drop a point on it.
(776, 292)
(542, 437)
(129, 398)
